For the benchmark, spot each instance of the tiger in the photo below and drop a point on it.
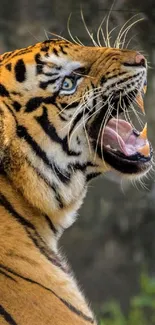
(63, 109)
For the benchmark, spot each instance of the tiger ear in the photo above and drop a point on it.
(7, 129)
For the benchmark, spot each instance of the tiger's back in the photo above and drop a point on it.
(54, 98)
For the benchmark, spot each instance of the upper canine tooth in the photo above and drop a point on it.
(140, 102)
(143, 133)
(144, 89)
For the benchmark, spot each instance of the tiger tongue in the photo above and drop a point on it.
(120, 136)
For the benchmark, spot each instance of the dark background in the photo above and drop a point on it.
(113, 238)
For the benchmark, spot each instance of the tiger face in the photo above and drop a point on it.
(60, 116)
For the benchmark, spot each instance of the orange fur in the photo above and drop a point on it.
(43, 176)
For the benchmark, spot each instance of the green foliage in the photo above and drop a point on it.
(141, 309)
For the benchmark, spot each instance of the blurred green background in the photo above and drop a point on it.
(114, 236)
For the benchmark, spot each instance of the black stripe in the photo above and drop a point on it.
(8, 66)
(10, 110)
(10, 55)
(45, 48)
(103, 80)
(46, 251)
(62, 50)
(55, 41)
(58, 67)
(7, 276)
(20, 71)
(50, 223)
(50, 130)
(3, 91)
(57, 195)
(44, 84)
(35, 102)
(16, 93)
(78, 141)
(92, 175)
(23, 133)
(7, 55)
(29, 227)
(76, 120)
(55, 52)
(17, 106)
(5, 203)
(69, 106)
(7, 316)
(53, 186)
(67, 304)
(63, 118)
(21, 52)
(50, 74)
(122, 81)
(39, 64)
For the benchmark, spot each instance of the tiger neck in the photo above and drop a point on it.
(19, 212)
(32, 240)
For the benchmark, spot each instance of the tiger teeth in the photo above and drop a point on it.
(145, 150)
(140, 102)
(143, 133)
(145, 89)
(109, 147)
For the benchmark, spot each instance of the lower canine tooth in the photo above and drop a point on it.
(145, 151)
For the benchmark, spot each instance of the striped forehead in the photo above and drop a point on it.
(64, 63)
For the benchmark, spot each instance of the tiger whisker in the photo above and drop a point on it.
(88, 117)
(87, 30)
(131, 100)
(127, 30)
(99, 30)
(86, 133)
(77, 99)
(121, 32)
(46, 34)
(102, 128)
(79, 108)
(105, 118)
(79, 41)
(129, 41)
(117, 130)
(69, 31)
(58, 36)
(103, 124)
(107, 25)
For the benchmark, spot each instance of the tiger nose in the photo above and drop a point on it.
(140, 60)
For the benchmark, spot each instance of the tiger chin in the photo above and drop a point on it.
(63, 121)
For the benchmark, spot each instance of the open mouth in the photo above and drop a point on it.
(121, 146)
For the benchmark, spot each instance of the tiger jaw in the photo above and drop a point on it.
(122, 147)
(119, 145)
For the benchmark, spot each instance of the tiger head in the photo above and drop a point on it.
(60, 123)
